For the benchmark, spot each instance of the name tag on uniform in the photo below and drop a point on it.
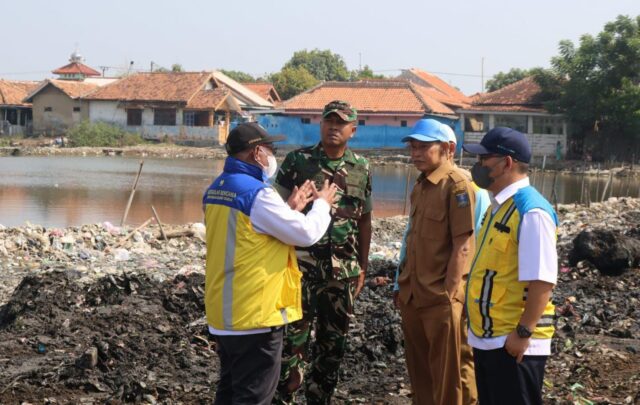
(462, 199)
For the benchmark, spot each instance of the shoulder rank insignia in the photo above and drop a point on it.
(462, 199)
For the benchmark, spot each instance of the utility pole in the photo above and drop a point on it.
(360, 60)
(482, 75)
(151, 67)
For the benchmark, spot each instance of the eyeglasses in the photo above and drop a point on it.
(271, 147)
(483, 158)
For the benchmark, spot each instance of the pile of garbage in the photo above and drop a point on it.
(103, 314)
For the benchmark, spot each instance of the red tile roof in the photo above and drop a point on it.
(521, 96)
(186, 88)
(369, 96)
(76, 68)
(13, 92)
(72, 88)
(208, 99)
(264, 90)
(442, 91)
(177, 87)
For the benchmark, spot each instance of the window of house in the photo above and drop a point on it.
(517, 122)
(76, 109)
(361, 122)
(134, 117)
(195, 118)
(547, 125)
(403, 123)
(48, 109)
(305, 120)
(164, 116)
(476, 123)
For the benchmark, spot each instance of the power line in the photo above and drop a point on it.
(24, 73)
(431, 71)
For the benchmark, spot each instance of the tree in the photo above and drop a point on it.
(323, 65)
(239, 76)
(292, 80)
(502, 79)
(597, 84)
(176, 67)
(365, 73)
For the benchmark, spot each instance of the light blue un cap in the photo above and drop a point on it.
(427, 130)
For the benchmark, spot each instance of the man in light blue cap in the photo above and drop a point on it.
(430, 286)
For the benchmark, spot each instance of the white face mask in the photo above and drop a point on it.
(272, 168)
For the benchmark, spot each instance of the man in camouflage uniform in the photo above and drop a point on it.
(334, 268)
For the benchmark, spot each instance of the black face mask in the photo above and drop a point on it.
(480, 175)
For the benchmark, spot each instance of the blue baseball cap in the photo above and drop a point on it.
(427, 130)
(502, 141)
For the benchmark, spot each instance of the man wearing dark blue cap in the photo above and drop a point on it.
(439, 245)
(513, 273)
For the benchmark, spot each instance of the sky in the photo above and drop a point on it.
(449, 38)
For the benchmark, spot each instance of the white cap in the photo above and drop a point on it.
(451, 136)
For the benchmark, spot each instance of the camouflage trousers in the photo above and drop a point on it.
(327, 305)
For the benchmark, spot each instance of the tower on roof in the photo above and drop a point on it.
(75, 69)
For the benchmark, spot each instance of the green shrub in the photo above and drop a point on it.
(101, 134)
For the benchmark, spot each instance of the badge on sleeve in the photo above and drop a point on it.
(462, 199)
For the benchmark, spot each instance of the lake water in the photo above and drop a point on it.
(65, 191)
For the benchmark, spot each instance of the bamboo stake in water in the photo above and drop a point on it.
(582, 201)
(133, 192)
(155, 214)
(597, 182)
(606, 186)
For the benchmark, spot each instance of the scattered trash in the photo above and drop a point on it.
(121, 319)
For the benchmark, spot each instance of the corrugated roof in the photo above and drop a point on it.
(76, 68)
(369, 96)
(242, 93)
(13, 92)
(444, 92)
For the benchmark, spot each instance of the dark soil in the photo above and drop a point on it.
(131, 339)
(147, 335)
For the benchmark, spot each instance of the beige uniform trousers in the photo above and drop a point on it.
(433, 348)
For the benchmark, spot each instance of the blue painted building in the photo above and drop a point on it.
(387, 110)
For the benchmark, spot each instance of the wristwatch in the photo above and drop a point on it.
(523, 331)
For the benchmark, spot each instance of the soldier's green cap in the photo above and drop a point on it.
(342, 108)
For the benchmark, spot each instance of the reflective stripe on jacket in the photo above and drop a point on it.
(495, 297)
(252, 279)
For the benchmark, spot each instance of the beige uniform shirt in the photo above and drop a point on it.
(442, 208)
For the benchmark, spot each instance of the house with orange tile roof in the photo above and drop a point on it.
(15, 114)
(265, 90)
(186, 105)
(59, 105)
(397, 103)
(519, 106)
(436, 87)
(387, 109)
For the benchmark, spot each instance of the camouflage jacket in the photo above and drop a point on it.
(335, 255)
